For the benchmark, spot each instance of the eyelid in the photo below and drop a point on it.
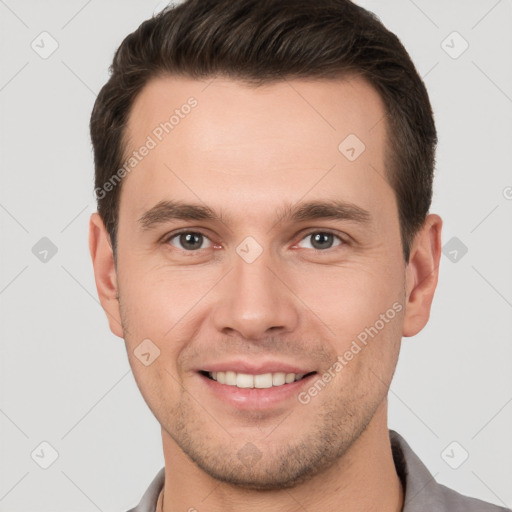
(342, 237)
(166, 239)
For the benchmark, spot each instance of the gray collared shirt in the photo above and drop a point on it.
(421, 492)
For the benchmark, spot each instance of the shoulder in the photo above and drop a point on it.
(422, 492)
(149, 499)
(452, 500)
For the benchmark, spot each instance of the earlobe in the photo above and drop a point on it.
(422, 274)
(105, 272)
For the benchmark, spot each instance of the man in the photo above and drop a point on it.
(263, 241)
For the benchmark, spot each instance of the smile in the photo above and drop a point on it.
(261, 381)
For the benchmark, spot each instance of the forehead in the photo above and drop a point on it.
(221, 138)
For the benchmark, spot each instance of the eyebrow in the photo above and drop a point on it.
(166, 211)
(326, 209)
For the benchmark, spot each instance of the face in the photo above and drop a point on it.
(258, 246)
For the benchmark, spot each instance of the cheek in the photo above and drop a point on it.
(363, 306)
(155, 299)
(348, 296)
(157, 384)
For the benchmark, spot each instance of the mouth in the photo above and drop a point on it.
(255, 381)
(266, 386)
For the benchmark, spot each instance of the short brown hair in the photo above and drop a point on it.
(261, 41)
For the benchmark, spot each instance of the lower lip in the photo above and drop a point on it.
(256, 398)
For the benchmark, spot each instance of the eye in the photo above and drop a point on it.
(321, 240)
(188, 240)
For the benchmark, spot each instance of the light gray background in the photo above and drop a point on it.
(65, 378)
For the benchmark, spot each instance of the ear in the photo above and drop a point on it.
(421, 275)
(105, 276)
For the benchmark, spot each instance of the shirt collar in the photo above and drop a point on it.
(420, 487)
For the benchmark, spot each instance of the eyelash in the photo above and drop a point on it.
(343, 240)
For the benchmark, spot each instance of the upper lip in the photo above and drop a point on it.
(240, 366)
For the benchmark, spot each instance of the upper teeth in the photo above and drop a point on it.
(246, 380)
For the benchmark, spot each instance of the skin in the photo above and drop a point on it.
(246, 152)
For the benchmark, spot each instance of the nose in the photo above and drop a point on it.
(254, 302)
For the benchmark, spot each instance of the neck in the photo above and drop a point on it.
(364, 479)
